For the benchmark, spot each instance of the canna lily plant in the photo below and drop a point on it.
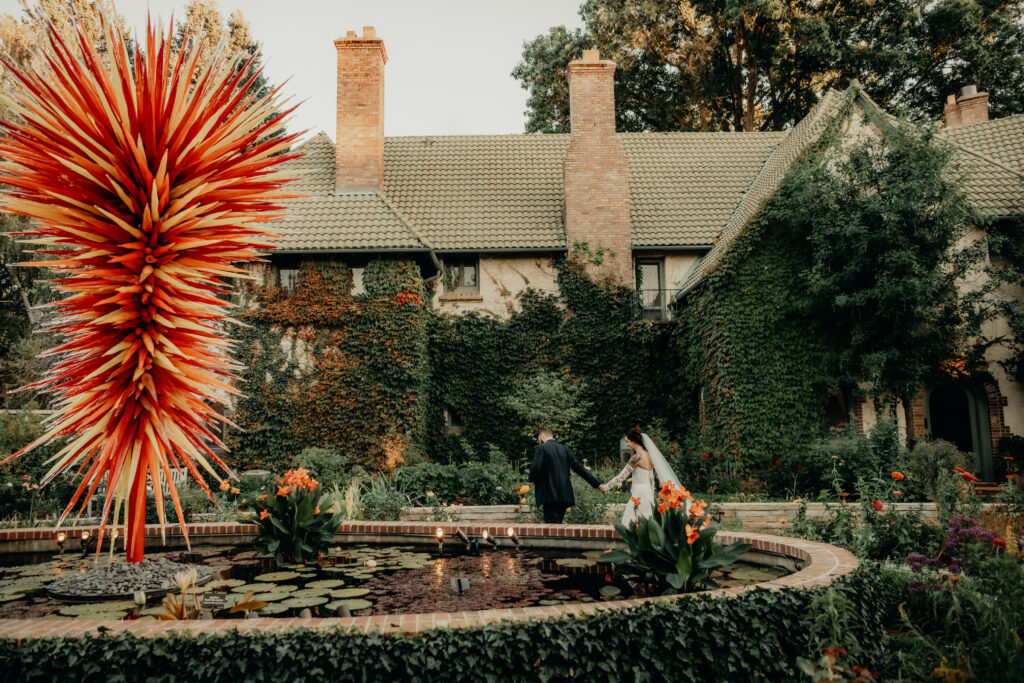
(675, 547)
(297, 519)
(149, 179)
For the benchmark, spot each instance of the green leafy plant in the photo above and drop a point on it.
(674, 547)
(382, 499)
(296, 521)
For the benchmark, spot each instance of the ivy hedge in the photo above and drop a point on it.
(754, 636)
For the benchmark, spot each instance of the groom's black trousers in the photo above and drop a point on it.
(554, 512)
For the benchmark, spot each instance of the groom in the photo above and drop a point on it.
(550, 473)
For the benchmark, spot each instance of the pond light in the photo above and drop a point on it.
(512, 536)
(487, 538)
(61, 537)
(439, 533)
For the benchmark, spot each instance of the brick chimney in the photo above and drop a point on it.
(970, 107)
(359, 146)
(595, 172)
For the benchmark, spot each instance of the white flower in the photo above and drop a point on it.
(140, 597)
(430, 494)
(186, 578)
(370, 563)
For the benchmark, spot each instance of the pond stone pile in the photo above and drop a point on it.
(122, 580)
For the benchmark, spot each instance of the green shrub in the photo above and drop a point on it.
(470, 484)
(757, 635)
(840, 462)
(327, 465)
(930, 463)
(1011, 446)
(382, 499)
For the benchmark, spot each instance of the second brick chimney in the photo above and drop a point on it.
(970, 107)
(359, 146)
(595, 172)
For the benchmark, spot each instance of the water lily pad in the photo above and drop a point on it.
(325, 583)
(547, 603)
(352, 605)
(225, 583)
(92, 607)
(586, 598)
(349, 593)
(299, 603)
(334, 570)
(274, 577)
(610, 591)
(271, 597)
(102, 616)
(594, 554)
(572, 562)
(310, 592)
(254, 588)
(153, 611)
(285, 588)
(748, 573)
(274, 608)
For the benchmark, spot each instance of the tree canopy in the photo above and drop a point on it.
(762, 64)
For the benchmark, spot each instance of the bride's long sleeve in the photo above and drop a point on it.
(620, 477)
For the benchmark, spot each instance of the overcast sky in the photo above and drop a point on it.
(449, 61)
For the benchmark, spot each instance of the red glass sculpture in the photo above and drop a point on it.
(149, 179)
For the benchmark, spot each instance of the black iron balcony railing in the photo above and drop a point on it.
(654, 304)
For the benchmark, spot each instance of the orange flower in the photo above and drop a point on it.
(224, 485)
(698, 508)
(316, 510)
(235, 490)
(284, 490)
(524, 489)
(262, 498)
(897, 493)
(522, 501)
(965, 475)
(844, 495)
(897, 476)
(662, 508)
(636, 501)
(692, 534)
(264, 514)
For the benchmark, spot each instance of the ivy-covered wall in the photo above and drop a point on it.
(324, 368)
(587, 339)
(763, 377)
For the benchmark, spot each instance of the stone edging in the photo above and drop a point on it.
(824, 564)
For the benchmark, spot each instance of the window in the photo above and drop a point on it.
(288, 277)
(462, 274)
(650, 276)
(452, 423)
(357, 281)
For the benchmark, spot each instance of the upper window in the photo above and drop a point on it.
(651, 283)
(288, 277)
(462, 274)
(357, 281)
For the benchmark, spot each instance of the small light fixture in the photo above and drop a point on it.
(61, 537)
(439, 533)
(487, 538)
(463, 537)
(85, 535)
(512, 536)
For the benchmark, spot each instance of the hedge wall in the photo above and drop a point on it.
(324, 368)
(755, 636)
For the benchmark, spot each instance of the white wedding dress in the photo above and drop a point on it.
(642, 490)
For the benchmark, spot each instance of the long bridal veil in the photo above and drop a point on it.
(661, 466)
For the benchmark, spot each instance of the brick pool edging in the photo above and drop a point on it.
(824, 564)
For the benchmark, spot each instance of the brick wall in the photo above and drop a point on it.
(595, 171)
(359, 145)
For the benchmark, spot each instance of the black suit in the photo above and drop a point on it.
(550, 474)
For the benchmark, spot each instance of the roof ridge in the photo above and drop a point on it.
(987, 159)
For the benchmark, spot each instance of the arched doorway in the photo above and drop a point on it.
(958, 413)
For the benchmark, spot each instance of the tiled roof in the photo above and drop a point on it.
(684, 186)
(505, 191)
(479, 191)
(767, 181)
(992, 153)
(326, 221)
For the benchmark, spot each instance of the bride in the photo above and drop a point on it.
(646, 461)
